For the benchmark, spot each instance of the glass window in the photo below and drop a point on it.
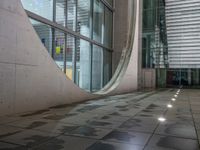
(44, 32)
(61, 12)
(107, 66)
(84, 17)
(43, 8)
(71, 14)
(108, 28)
(97, 68)
(98, 21)
(110, 2)
(70, 57)
(59, 49)
(83, 64)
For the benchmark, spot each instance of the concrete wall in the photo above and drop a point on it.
(120, 30)
(29, 78)
(148, 78)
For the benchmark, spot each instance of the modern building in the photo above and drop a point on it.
(99, 74)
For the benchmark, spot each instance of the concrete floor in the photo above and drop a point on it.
(133, 121)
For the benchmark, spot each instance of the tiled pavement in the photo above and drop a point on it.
(122, 122)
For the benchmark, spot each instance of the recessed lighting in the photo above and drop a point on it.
(175, 95)
(173, 99)
(169, 106)
(161, 119)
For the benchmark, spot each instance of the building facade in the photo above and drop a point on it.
(171, 41)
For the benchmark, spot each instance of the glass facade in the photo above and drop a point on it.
(168, 45)
(78, 36)
(154, 38)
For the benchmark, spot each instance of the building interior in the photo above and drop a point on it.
(99, 75)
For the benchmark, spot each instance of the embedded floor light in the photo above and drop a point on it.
(173, 99)
(175, 95)
(169, 106)
(161, 119)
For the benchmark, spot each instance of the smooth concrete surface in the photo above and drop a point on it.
(134, 121)
(29, 78)
(120, 30)
(149, 78)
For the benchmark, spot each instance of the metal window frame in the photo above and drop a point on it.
(64, 29)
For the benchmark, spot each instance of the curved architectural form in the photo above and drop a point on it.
(31, 80)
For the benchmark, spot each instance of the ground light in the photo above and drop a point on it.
(173, 99)
(169, 105)
(161, 119)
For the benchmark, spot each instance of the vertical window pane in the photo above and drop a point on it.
(83, 17)
(43, 8)
(44, 32)
(97, 68)
(59, 49)
(98, 21)
(107, 66)
(110, 2)
(61, 12)
(83, 64)
(70, 56)
(71, 14)
(108, 28)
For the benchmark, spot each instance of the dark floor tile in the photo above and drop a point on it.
(102, 124)
(178, 129)
(137, 124)
(158, 142)
(6, 146)
(113, 118)
(127, 137)
(85, 131)
(66, 143)
(28, 138)
(113, 146)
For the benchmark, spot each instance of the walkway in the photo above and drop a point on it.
(161, 120)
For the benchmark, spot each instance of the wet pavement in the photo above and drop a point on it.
(167, 119)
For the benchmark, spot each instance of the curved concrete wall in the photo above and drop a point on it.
(29, 78)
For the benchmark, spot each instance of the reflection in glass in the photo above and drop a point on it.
(107, 66)
(70, 57)
(83, 17)
(45, 34)
(43, 8)
(59, 49)
(98, 21)
(83, 64)
(61, 12)
(110, 2)
(108, 28)
(97, 68)
(71, 14)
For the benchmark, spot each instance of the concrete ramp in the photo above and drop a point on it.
(29, 78)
